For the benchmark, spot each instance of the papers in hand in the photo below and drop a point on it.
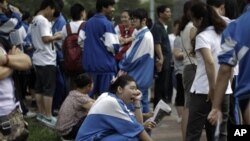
(161, 110)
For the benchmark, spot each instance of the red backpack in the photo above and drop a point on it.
(72, 51)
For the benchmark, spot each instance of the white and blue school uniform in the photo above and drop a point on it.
(9, 23)
(235, 50)
(138, 62)
(109, 120)
(11, 28)
(100, 43)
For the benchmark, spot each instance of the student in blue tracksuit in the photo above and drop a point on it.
(138, 61)
(109, 118)
(100, 45)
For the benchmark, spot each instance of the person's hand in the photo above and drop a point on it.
(149, 124)
(2, 59)
(138, 95)
(121, 72)
(14, 51)
(159, 64)
(122, 40)
(214, 116)
(57, 36)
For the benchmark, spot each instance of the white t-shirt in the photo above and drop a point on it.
(7, 97)
(74, 25)
(45, 54)
(186, 41)
(211, 40)
(171, 39)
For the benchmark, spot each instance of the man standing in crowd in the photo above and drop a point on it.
(44, 59)
(163, 56)
(100, 45)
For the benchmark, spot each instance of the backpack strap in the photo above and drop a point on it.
(80, 27)
(68, 28)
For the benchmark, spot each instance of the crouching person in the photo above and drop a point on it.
(109, 119)
(75, 108)
(12, 125)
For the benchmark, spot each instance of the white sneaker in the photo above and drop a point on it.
(49, 121)
(30, 114)
(39, 117)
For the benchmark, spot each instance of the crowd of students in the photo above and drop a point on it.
(119, 65)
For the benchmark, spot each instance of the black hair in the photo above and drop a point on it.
(82, 80)
(161, 9)
(76, 10)
(91, 13)
(103, 4)
(149, 23)
(232, 10)
(216, 3)
(128, 11)
(52, 4)
(209, 18)
(186, 15)
(60, 4)
(121, 81)
(140, 13)
(25, 15)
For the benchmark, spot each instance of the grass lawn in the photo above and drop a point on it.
(39, 132)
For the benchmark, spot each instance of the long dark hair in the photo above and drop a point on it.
(232, 10)
(121, 81)
(210, 18)
(186, 15)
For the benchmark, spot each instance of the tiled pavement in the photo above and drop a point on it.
(169, 129)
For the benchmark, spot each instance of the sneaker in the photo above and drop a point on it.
(30, 114)
(39, 117)
(49, 121)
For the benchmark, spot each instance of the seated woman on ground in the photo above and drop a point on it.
(109, 118)
(75, 107)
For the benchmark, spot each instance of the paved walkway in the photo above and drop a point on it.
(169, 129)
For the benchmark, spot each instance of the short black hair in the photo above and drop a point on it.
(25, 15)
(215, 3)
(52, 4)
(91, 13)
(103, 3)
(161, 9)
(140, 13)
(128, 11)
(82, 80)
(121, 81)
(76, 10)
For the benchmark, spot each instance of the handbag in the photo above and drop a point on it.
(13, 127)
